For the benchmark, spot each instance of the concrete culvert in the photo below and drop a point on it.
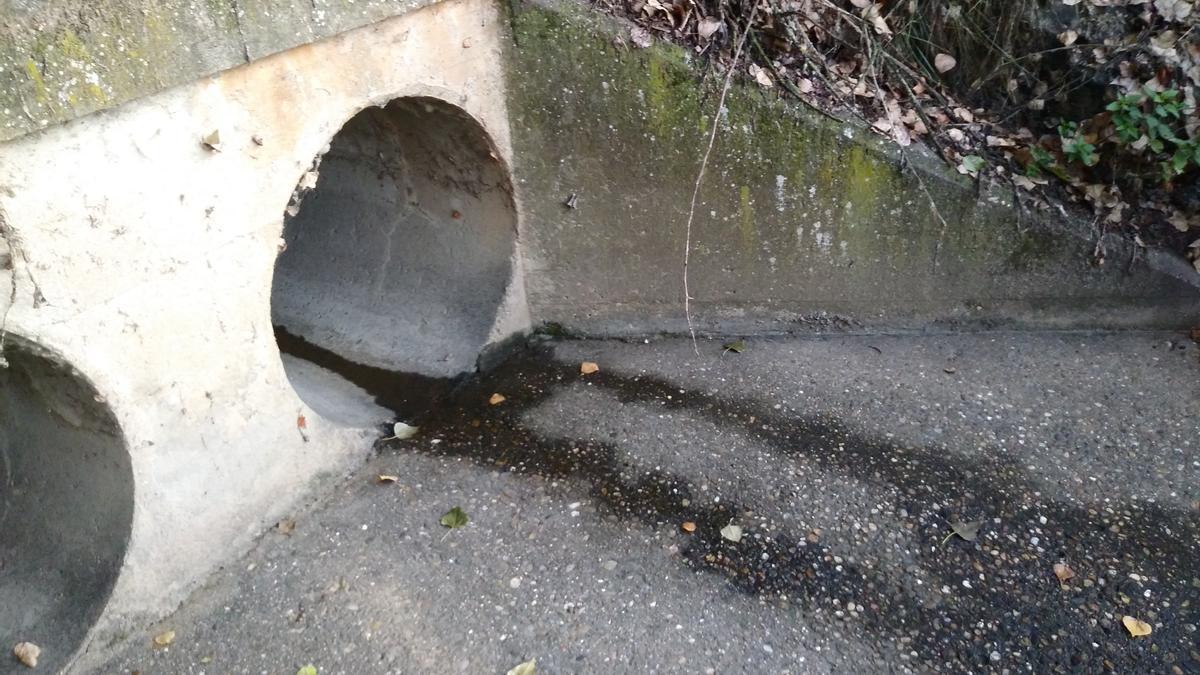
(399, 249)
(66, 506)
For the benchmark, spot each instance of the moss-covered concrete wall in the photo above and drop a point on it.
(60, 59)
(802, 221)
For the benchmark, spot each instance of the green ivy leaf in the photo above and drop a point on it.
(973, 163)
(454, 518)
(737, 346)
(310, 669)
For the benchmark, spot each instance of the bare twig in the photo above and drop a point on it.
(712, 139)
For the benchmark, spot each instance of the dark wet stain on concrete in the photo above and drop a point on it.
(409, 395)
(995, 597)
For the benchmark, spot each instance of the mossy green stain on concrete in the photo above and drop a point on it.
(863, 177)
(627, 127)
(670, 98)
(40, 93)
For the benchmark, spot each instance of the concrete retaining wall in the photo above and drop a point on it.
(802, 223)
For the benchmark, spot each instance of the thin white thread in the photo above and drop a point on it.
(712, 139)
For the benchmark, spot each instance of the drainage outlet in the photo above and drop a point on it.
(399, 247)
(66, 506)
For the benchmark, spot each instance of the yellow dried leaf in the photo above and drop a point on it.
(386, 478)
(1136, 627)
(164, 639)
(497, 399)
(689, 527)
(527, 668)
(587, 368)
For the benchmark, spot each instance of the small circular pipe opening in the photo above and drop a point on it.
(398, 254)
(66, 505)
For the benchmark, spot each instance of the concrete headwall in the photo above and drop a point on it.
(147, 251)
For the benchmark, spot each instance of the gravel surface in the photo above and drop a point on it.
(846, 463)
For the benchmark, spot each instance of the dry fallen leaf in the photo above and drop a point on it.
(640, 37)
(706, 27)
(1183, 222)
(944, 63)
(760, 75)
(874, 16)
(732, 533)
(27, 653)
(1063, 572)
(285, 526)
(401, 431)
(301, 423)
(527, 668)
(1068, 37)
(1136, 627)
(164, 639)
(1173, 10)
(689, 527)
(212, 141)
(588, 367)
(497, 399)
(387, 478)
(1026, 182)
(967, 531)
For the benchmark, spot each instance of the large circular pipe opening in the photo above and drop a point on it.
(66, 506)
(398, 251)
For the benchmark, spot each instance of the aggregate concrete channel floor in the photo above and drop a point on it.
(843, 459)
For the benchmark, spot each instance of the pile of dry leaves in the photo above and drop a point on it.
(1088, 101)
